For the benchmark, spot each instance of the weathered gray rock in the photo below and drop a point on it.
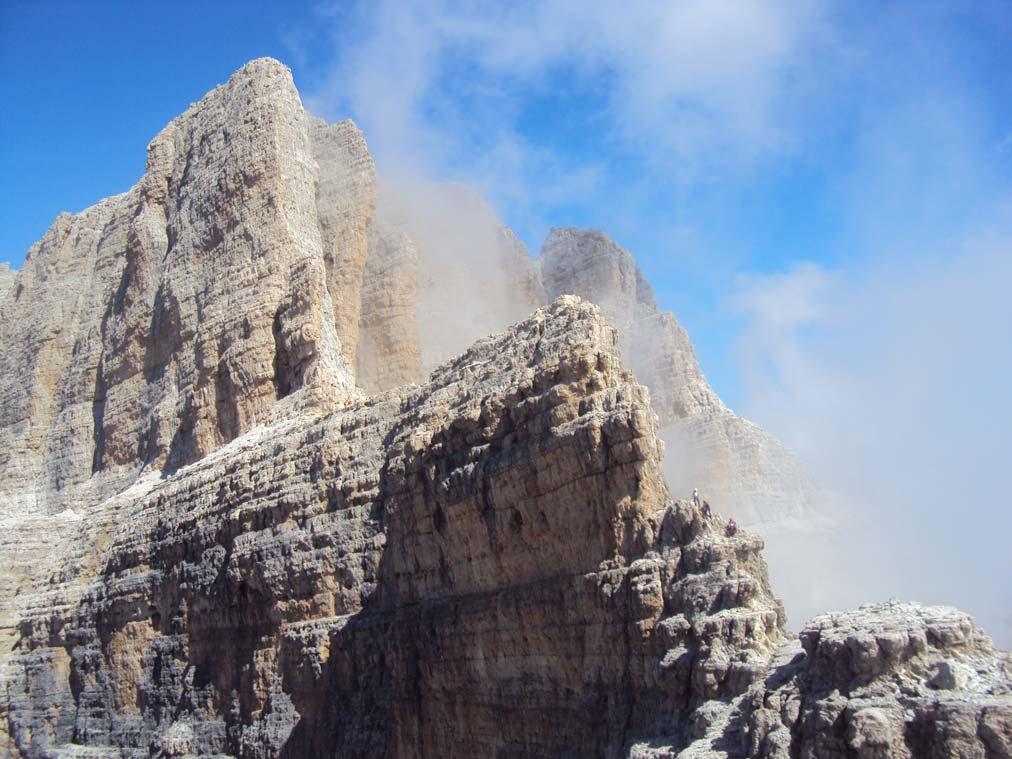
(162, 323)
(7, 277)
(485, 563)
(880, 682)
(480, 278)
(214, 543)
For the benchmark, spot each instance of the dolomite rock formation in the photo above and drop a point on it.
(486, 563)
(389, 348)
(228, 527)
(164, 322)
(733, 461)
(472, 276)
(481, 278)
(345, 204)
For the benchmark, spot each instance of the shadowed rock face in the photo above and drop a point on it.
(215, 544)
(487, 563)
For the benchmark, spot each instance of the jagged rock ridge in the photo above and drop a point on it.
(215, 543)
(732, 460)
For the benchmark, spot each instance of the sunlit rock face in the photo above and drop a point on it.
(162, 323)
(239, 521)
(6, 280)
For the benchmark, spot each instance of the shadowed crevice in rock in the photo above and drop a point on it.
(282, 365)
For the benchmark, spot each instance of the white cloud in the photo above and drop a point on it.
(688, 87)
(892, 382)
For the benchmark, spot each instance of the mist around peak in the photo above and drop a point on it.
(820, 193)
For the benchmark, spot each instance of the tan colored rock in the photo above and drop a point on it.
(474, 276)
(587, 263)
(488, 562)
(213, 544)
(389, 354)
(156, 326)
(164, 322)
(345, 202)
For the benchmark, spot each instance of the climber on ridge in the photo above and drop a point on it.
(695, 497)
(706, 508)
(732, 527)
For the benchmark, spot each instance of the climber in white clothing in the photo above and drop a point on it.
(695, 497)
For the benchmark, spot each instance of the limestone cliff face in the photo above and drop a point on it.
(464, 289)
(887, 680)
(390, 352)
(7, 277)
(345, 204)
(589, 264)
(231, 526)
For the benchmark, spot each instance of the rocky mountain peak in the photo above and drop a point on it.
(588, 262)
(236, 519)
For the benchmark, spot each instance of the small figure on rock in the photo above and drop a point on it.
(706, 508)
(695, 497)
(732, 527)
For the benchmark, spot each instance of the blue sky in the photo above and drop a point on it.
(820, 190)
(733, 146)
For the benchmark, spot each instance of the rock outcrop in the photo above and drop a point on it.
(389, 351)
(481, 278)
(164, 322)
(230, 526)
(345, 204)
(886, 680)
(488, 563)
(7, 277)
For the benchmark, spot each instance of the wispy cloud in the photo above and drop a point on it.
(455, 89)
(893, 384)
(837, 173)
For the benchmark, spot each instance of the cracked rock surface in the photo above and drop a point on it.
(231, 526)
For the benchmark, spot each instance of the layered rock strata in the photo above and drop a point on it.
(7, 276)
(483, 278)
(389, 346)
(213, 542)
(486, 564)
(345, 204)
(733, 461)
(164, 322)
